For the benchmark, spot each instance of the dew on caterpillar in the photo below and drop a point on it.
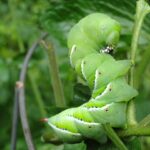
(91, 42)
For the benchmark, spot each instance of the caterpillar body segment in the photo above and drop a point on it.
(90, 42)
(91, 34)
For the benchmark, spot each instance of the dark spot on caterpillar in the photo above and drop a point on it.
(89, 126)
(99, 73)
(84, 62)
(106, 109)
(110, 89)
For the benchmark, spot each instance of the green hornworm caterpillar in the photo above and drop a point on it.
(90, 41)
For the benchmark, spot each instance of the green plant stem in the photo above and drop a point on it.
(145, 122)
(135, 131)
(136, 32)
(54, 72)
(114, 137)
(142, 129)
(142, 9)
(142, 67)
(37, 95)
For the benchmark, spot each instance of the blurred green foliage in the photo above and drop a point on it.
(21, 24)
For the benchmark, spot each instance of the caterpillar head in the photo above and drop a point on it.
(95, 32)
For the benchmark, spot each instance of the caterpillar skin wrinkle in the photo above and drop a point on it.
(90, 42)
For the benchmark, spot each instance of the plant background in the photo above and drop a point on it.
(21, 24)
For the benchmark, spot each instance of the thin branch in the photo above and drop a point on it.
(22, 105)
(21, 99)
(54, 72)
(139, 72)
(141, 129)
(142, 8)
(114, 137)
(15, 121)
(135, 131)
(23, 116)
(28, 56)
(145, 122)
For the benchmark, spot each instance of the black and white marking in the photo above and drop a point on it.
(107, 50)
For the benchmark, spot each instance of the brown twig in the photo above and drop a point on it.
(15, 121)
(20, 100)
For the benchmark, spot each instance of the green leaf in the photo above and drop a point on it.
(61, 15)
(78, 146)
(51, 147)
(134, 144)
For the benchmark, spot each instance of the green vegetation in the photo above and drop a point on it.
(21, 24)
